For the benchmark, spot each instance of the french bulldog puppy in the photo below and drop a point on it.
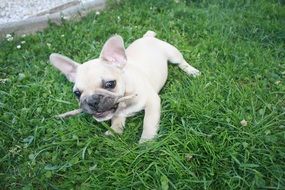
(140, 70)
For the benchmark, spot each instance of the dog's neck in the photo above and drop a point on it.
(129, 84)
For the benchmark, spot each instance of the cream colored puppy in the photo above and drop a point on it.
(140, 70)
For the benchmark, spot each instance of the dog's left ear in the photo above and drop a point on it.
(66, 65)
(114, 51)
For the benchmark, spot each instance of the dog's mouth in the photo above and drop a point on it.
(104, 110)
(101, 114)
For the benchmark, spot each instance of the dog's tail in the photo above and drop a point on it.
(150, 34)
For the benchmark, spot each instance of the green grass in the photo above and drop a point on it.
(237, 45)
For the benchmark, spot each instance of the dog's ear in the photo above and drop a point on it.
(113, 51)
(67, 66)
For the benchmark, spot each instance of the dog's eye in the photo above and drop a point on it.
(110, 84)
(77, 93)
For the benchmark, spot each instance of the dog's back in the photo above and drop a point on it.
(150, 55)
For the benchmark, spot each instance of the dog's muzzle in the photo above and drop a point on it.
(100, 105)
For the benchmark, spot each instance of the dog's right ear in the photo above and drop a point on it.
(113, 51)
(67, 66)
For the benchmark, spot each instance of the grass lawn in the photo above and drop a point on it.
(202, 144)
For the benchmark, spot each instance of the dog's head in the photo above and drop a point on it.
(98, 83)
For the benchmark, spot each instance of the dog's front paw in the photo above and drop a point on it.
(114, 131)
(143, 140)
(194, 72)
(109, 133)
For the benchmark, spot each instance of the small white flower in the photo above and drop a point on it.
(65, 17)
(277, 82)
(8, 35)
(97, 12)
(10, 39)
(23, 42)
(21, 76)
(24, 35)
(3, 80)
(243, 123)
(19, 46)
(119, 18)
(62, 35)
(188, 157)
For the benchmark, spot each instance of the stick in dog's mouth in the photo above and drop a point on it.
(124, 98)
(69, 114)
(78, 111)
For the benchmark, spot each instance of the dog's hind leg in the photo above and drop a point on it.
(175, 57)
(189, 69)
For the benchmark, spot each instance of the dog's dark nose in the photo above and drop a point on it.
(94, 100)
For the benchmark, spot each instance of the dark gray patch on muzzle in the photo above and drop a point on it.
(98, 103)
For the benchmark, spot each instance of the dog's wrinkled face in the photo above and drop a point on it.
(98, 83)
(98, 86)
